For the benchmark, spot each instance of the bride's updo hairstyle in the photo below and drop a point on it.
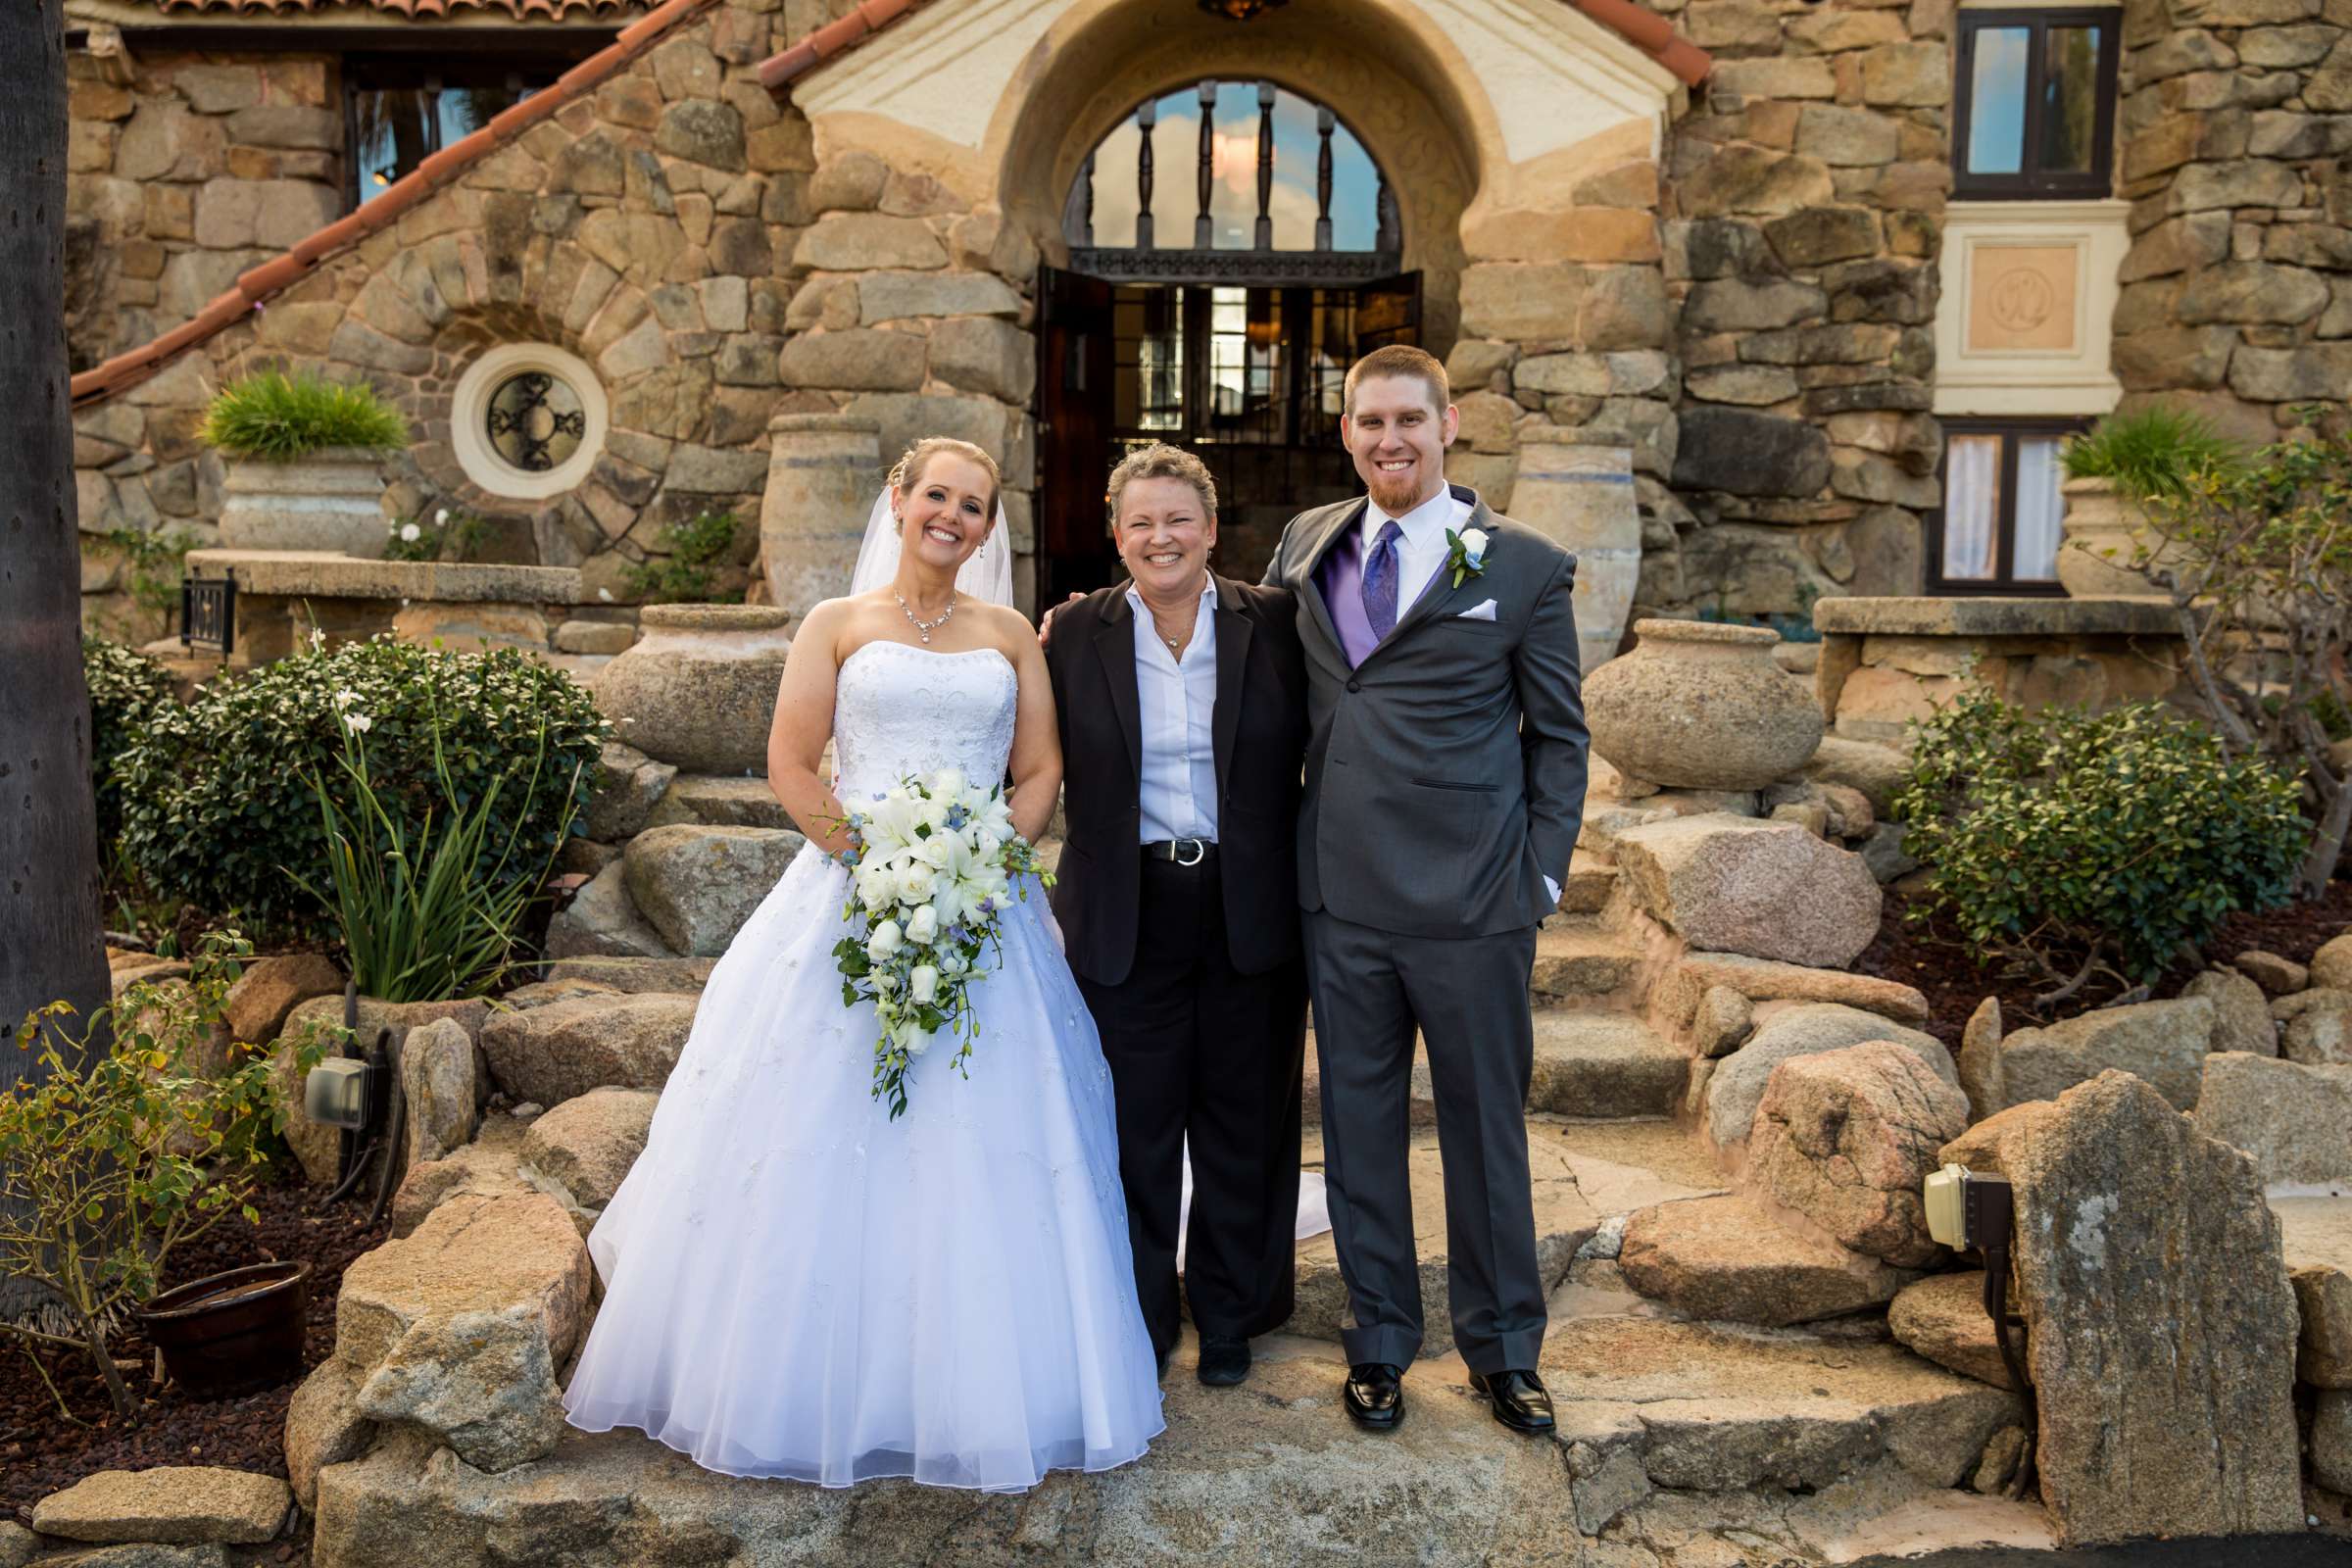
(908, 472)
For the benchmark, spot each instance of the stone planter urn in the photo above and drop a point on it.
(698, 689)
(1702, 706)
(329, 501)
(2101, 534)
(823, 473)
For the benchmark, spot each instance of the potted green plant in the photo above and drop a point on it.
(117, 1152)
(302, 462)
(2112, 472)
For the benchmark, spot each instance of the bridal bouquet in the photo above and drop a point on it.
(933, 863)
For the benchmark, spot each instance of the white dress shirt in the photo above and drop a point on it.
(1177, 701)
(1420, 553)
(1422, 550)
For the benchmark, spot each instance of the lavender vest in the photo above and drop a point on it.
(1341, 577)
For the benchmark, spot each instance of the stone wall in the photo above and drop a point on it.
(650, 227)
(2237, 295)
(1805, 194)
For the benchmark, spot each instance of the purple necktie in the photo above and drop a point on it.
(1380, 580)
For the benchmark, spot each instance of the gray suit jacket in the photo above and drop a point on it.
(1445, 774)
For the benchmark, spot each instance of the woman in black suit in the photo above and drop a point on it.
(1182, 698)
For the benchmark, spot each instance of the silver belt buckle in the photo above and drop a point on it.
(1199, 851)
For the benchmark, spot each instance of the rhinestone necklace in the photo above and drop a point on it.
(924, 628)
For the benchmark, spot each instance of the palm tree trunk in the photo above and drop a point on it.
(50, 941)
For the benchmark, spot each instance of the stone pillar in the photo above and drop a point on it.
(823, 472)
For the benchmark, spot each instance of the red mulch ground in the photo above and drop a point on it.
(40, 1453)
(1937, 961)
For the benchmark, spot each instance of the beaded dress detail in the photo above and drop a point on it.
(797, 1285)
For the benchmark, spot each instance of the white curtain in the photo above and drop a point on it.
(1972, 506)
(2039, 506)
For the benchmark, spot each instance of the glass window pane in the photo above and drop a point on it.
(1148, 360)
(1972, 506)
(396, 132)
(2070, 99)
(1233, 170)
(1996, 126)
(2040, 505)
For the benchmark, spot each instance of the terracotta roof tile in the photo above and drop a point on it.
(1645, 30)
(412, 10)
(260, 283)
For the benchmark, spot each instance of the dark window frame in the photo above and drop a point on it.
(379, 72)
(2031, 184)
(2004, 582)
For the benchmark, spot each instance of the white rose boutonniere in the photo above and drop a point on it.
(1466, 552)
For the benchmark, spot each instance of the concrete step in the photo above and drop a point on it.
(1584, 1174)
(1606, 1064)
(1586, 1064)
(1577, 960)
(1684, 1443)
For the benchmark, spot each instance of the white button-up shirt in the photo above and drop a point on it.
(1422, 550)
(1177, 701)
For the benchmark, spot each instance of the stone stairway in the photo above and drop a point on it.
(1684, 1437)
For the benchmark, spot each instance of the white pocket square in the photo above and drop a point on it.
(1484, 609)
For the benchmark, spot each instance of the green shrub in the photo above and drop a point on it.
(683, 575)
(2150, 450)
(280, 417)
(217, 801)
(2082, 843)
(127, 689)
(128, 1145)
(444, 536)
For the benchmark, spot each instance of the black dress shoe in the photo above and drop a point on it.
(1162, 1358)
(1520, 1401)
(1375, 1395)
(1223, 1361)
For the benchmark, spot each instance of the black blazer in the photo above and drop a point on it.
(1260, 735)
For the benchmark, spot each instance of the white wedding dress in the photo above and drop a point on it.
(797, 1285)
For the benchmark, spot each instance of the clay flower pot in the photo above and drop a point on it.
(230, 1331)
(330, 499)
(1702, 706)
(698, 689)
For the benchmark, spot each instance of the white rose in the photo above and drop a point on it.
(916, 882)
(923, 984)
(876, 883)
(912, 1040)
(1474, 546)
(884, 941)
(923, 926)
(946, 784)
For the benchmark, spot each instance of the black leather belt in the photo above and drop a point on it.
(1182, 852)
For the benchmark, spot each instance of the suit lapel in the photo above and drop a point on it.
(1441, 591)
(1235, 628)
(1310, 592)
(1114, 645)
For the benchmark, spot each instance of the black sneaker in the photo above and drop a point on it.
(1224, 1361)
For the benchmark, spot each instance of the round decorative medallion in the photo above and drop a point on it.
(2022, 299)
(527, 420)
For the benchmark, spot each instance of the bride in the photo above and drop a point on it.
(797, 1285)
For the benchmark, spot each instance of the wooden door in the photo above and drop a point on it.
(1073, 435)
(1388, 311)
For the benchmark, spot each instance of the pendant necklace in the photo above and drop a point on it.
(924, 628)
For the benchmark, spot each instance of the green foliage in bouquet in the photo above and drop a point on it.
(2082, 843)
(125, 1145)
(280, 419)
(126, 690)
(218, 798)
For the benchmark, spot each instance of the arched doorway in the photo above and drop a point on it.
(1232, 248)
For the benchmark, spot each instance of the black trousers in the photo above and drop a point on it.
(1200, 1051)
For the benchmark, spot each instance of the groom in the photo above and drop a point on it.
(1444, 784)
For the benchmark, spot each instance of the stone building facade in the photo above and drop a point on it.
(1731, 239)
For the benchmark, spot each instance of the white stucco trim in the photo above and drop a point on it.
(469, 440)
(2079, 379)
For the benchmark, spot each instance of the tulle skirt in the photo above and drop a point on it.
(797, 1285)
